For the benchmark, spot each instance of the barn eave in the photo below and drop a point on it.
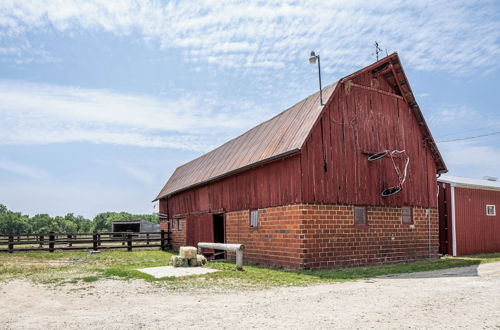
(227, 174)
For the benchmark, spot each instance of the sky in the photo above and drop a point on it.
(101, 100)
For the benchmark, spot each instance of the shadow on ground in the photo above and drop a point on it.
(469, 271)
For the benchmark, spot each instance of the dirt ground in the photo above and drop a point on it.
(459, 298)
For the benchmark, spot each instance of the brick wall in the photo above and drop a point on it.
(324, 236)
(275, 241)
(178, 235)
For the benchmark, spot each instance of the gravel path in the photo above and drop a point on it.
(464, 298)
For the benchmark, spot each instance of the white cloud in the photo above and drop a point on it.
(22, 169)
(40, 113)
(457, 115)
(457, 36)
(141, 175)
(466, 158)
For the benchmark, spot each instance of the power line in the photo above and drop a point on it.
(470, 137)
(468, 130)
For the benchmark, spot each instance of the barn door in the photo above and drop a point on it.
(444, 219)
(219, 234)
(199, 229)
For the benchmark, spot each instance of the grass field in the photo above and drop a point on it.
(72, 267)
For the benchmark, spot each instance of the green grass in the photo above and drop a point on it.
(73, 267)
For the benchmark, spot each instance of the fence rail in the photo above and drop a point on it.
(84, 241)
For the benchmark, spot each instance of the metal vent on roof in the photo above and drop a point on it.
(490, 178)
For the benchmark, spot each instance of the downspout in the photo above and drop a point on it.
(428, 211)
(453, 222)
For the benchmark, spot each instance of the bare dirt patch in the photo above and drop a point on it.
(467, 297)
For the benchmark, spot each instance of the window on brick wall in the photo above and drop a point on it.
(407, 215)
(179, 224)
(491, 210)
(254, 218)
(360, 216)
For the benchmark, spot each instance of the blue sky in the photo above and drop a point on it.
(101, 100)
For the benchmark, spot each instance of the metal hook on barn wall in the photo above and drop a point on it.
(401, 174)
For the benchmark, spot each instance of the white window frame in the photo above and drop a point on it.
(494, 210)
(403, 215)
(365, 216)
(253, 220)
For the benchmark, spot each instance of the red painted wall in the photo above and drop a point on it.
(476, 232)
(272, 184)
(358, 122)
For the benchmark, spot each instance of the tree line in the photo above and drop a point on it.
(15, 222)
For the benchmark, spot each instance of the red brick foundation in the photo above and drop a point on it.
(304, 236)
(178, 237)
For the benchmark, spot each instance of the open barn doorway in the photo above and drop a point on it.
(219, 234)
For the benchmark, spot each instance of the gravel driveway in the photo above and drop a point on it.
(467, 298)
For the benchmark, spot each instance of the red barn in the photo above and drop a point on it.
(304, 189)
(468, 219)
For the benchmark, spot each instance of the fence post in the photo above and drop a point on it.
(11, 245)
(129, 242)
(41, 241)
(98, 239)
(94, 241)
(169, 237)
(162, 239)
(51, 241)
(147, 239)
(69, 240)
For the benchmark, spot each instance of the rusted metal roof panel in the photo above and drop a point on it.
(278, 136)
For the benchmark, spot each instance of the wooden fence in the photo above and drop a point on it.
(84, 241)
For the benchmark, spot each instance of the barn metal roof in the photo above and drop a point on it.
(283, 134)
(469, 182)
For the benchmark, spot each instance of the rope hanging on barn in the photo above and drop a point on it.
(353, 119)
(401, 174)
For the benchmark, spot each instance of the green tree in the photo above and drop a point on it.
(3, 209)
(13, 223)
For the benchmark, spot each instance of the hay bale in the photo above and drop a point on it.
(178, 261)
(188, 252)
(201, 259)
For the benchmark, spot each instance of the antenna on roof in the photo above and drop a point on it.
(378, 50)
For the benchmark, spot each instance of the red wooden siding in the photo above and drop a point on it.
(275, 183)
(199, 229)
(476, 232)
(357, 122)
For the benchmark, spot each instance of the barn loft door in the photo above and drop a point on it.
(199, 229)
